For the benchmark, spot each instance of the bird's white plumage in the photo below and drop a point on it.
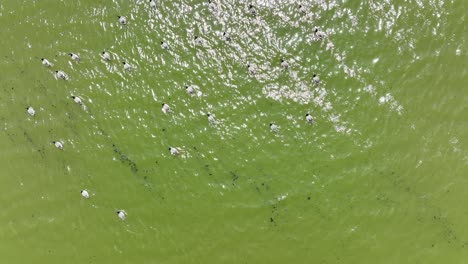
(198, 40)
(309, 118)
(74, 57)
(106, 56)
(316, 79)
(58, 144)
(47, 63)
(319, 34)
(85, 194)
(274, 127)
(284, 64)
(190, 90)
(302, 9)
(61, 75)
(123, 20)
(121, 214)
(211, 119)
(77, 100)
(166, 108)
(226, 36)
(164, 45)
(252, 10)
(127, 66)
(152, 4)
(174, 151)
(31, 111)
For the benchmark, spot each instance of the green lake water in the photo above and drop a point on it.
(380, 177)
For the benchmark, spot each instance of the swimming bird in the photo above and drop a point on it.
(58, 144)
(84, 193)
(174, 151)
(127, 66)
(122, 20)
(252, 10)
(316, 79)
(211, 5)
(226, 36)
(302, 9)
(274, 127)
(198, 40)
(165, 108)
(31, 111)
(77, 100)
(211, 119)
(284, 64)
(46, 62)
(61, 75)
(251, 68)
(152, 4)
(309, 118)
(74, 57)
(121, 214)
(106, 56)
(164, 45)
(319, 34)
(189, 90)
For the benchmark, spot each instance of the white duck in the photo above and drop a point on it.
(58, 144)
(211, 119)
(61, 75)
(121, 214)
(74, 57)
(106, 56)
(31, 111)
(274, 127)
(46, 63)
(85, 194)
(122, 20)
(77, 100)
(174, 151)
(166, 108)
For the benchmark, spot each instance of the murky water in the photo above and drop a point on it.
(379, 176)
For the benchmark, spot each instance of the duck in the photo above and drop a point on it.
(211, 119)
(74, 57)
(198, 40)
(77, 100)
(284, 64)
(252, 10)
(316, 79)
(122, 20)
(251, 68)
(58, 144)
(226, 36)
(174, 151)
(85, 194)
(274, 127)
(302, 9)
(164, 45)
(319, 34)
(61, 75)
(106, 56)
(152, 4)
(127, 66)
(309, 118)
(31, 111)
(121, 214)
(189, 90)
(46, 63)
(165, 108)
(211, 5)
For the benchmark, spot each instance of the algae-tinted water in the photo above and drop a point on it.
(380, 177)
